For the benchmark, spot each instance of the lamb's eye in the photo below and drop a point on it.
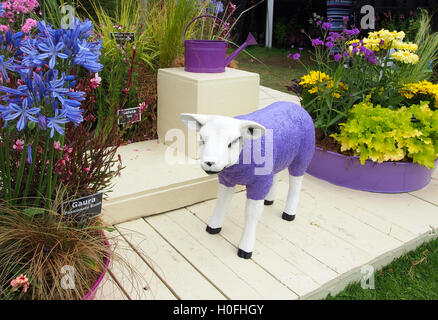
(233, 142)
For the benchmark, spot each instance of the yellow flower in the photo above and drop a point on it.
(425, 87)
(319, 82)
(399, 45)
(313, 78)
(405, 57)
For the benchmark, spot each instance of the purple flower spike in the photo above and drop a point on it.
(329, 44)
(326, 26)
(337, 57)
(317, 42)
(29, 153)
(42, 121)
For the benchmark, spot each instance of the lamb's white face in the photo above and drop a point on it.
(221, 139)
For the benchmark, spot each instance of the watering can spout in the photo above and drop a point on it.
(250, 40)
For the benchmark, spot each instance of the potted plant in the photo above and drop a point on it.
(375, 113)
(50, 154)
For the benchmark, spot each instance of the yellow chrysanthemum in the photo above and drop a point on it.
(399, 45)
(405, 57)
(387, 36)
(385, 40)
(422, 87)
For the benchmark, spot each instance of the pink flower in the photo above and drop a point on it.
(96, 81)
(57, 145)
(126, 90)
(19, 144)
(143, 106)
(20, 282)
(4, 28)
(28, 25)
(296, 56)
(87, 169)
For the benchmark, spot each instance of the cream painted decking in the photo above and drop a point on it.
(336, 232)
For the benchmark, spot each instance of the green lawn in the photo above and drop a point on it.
(412, 276)
(275, 69)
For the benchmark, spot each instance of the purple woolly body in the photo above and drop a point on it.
(293, 145)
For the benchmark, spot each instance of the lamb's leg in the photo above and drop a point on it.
(224, 196)
(293, 197)
(269, 200)
(253, 212)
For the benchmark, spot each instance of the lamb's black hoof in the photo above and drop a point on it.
(213, 231)
(288, 217)
(269, 203)
(244, 255)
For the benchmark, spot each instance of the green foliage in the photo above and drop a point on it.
(280, 33)
(165, 24)
(427, 50)
(382, 134)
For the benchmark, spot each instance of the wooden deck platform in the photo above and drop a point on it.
(336, 232)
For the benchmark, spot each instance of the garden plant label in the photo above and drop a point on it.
(89, 206)
(122, 37)
(131, 115)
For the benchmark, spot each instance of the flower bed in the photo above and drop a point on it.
(371, 97)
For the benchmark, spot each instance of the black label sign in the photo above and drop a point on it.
(129, 115)
(89, 206)
(122, 37)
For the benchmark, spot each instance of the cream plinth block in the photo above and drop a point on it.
(234, 92)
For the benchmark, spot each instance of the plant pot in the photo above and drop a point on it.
(92, 293)
(386, 177)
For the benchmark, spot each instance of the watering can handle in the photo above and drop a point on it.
(202, 16)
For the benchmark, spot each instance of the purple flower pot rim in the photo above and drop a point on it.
(340, 155)
(90, 294)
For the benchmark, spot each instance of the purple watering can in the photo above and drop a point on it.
(209, 56)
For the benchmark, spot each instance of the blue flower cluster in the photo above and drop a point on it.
(45, 94)
(214, 7)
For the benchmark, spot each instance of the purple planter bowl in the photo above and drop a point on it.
(92, 293)
(386, 177)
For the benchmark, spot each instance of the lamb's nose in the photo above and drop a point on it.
(209, 163)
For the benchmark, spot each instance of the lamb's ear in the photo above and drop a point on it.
(194, 121)
(251, 130)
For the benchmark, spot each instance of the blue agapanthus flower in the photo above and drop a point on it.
(45, 94)
(57, 123)
(23, 112)
(215, 7)
(52, 51)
